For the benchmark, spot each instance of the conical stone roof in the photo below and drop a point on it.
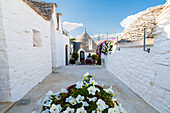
(84, 40)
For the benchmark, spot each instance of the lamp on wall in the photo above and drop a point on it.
(144, 45)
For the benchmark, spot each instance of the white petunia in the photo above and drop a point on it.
(79, 85)
(72, 101)
(79, 98)
(81, 110)
(46, 111)
(109, 90)
(55, 108)
(86, 74)
(69, 98)
(113, 99)
(50, 93)
(48, 103)
(101, 105)
(47, 97)
(92, 99)
(57, 94)
(93, 111)
(111, 110)
(85, 104)
(69, 110)
(92, 90)
(121, 109)
(93, 82)
(64, 90)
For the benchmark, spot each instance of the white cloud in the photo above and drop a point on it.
(69, 26)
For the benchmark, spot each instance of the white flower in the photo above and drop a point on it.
(57, 94)
(92, 90)
(93, 82)
(98, 111)
(81, 110)
(112, 110)
(72, 101)
(64, 90)
(69, 110)
(55, 109)
(113, 99)
(79, 98)
(85, 104)
(34, 112)
(69, 98)
(48, 103)
(121, 109)
(92, 99)
(101, 105)
(79, 84)
(86, 74)
(47, 97)
(93, 111)
(46, 111)
(50, 93)
(109, 90)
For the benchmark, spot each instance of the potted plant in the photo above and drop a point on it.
(85, 96)
(75, 56)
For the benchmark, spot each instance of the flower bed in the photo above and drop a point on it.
(104, 47)
(85, 96)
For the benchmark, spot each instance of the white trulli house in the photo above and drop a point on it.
(31, 43)
(147, 74)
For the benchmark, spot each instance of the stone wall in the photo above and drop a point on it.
(25, 64)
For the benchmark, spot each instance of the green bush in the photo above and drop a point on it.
(72, 61)
(95, 57)
(75, 55)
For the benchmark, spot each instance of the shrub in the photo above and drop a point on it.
(94, 57)
(75, 55)
(88, 61)
(72, 61)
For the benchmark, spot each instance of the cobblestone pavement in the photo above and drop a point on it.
(69, 75)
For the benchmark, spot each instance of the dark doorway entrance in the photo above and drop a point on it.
(82, 56)
(66, 50)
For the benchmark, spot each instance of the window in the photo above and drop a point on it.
(90, 44)
(37, 42)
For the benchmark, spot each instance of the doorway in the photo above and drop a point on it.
(82, 56)
(66, 50)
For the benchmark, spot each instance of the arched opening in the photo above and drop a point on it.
(82, 56)
(66, 53)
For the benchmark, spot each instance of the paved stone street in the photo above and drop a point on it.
(69, 75)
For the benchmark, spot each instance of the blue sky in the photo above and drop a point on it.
(100, 16)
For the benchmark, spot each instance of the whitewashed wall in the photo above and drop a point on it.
(54, 40)
(61, 44)
(28, 65)
(136, 69)
(4, 71)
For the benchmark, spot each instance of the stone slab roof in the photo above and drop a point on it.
(135, 31)
(83, 42)
(42, 8)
